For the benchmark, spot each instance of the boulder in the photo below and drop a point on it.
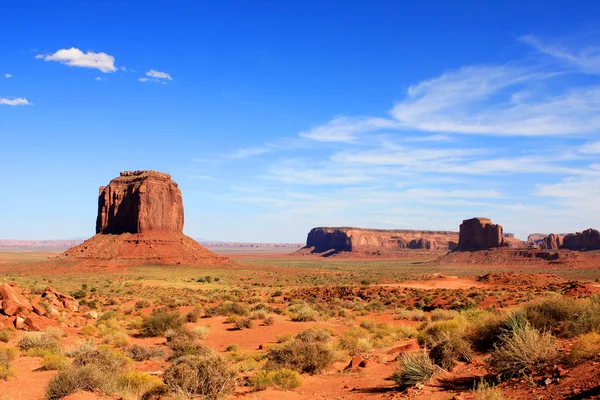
(19, 323)
(140, 202)
(586, 240)
(12, 298)
(479, 234)
(39, 310)
(61, 300)
(37, 323)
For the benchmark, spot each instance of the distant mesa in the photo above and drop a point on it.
(586, 240)
(140, 221)
(331, 240)
(479, 234)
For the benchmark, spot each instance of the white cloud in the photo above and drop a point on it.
(156, 77)
(7, 76)
(16, 101)
(98, 78)
(76, 58)
(591, 148)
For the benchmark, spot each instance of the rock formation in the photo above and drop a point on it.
(140, 221)
(551, 242)
(479, 234)
(586, 240)
(140, 202)
(339, 239)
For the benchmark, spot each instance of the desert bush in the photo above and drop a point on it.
(414, 368)
(184, 342)
(7, 354)
(54, 362)
(55, 332)
(194, 315)
(268, 321)
(38, 343)
(303, 313)
(243, 323)
(142, 304)
(412, 315)
(564, 316)
(585, 347)
(233, 308)
(485, 391)
(202, 331)
(232, 347)
(5, 336)
(313, 335)
(449, 350)
(160, 321)
(310, 357)
(523, 352)
(138, 383)
(142, 353)
(356, 340)
(283, 378)
(259, 314)
(438, 331)
(89, 331)
(208, 376)
(89, 378)
(103, 358)
(439, 314)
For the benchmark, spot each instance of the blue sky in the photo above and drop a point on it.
(275, 117)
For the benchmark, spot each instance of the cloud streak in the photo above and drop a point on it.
(15, 101)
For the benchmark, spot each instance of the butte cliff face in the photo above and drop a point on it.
(479, 234)
(140, 221)
(339, 239)
(586, 240)
(140, 202)
(551, 242)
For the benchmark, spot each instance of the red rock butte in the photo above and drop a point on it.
(140, 221)
(479, 234)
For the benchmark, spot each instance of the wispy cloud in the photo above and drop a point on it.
(15, 101)
(7, 76)
(248, 152)
(74, 57)
(586, 58)
(345, 129)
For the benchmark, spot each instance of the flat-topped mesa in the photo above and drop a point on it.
(551, 242)
(143, 201)
(479, 234)
(338, 239)
(586, 240)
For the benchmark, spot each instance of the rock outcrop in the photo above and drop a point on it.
(586, 240)
(347, 239)
(551, 242)
(140, 221)
(140, 202)
(479, 234)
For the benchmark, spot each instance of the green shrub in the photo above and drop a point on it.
(104, 358)
(438, 331)
(184, 342)
(138, 382)
(523, 352)
(5, 336)
(194, 315)
(303, 313)
(202, 331)
(439, 314)
(564, 316)
(283, 378)
(160, 321)
(310, 357)
(414, 368)
(208, 376)
(448, 351)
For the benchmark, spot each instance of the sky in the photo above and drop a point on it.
(278, 116)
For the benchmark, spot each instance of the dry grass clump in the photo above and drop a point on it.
(7, 354)
(564, 316)
(414, 368)
(160, 321)
(208, 376)
(314, 335)
(138, 383)
(585, 347)
(438, 331)
(439, 314)
(89, 378)
(450, 349)
(38, 344)
(303, 313)
(525, 351)
(485, 391)
(142, 353)
(300, 356)
(282, 378)
(185, 342)
(5, 336)
(55, 362)
(243, 323)
(228, 308)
